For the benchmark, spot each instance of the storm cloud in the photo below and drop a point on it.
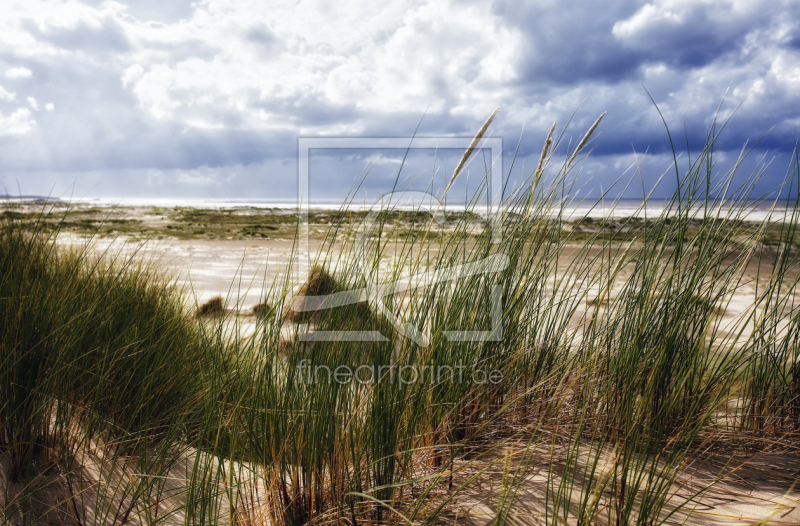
(209, 98)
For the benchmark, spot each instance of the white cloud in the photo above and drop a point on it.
(154, 91)
(655, 15)
(7, 96)
(132, 74)
(18, 123)
(49, 106)
(379, 160)
(311, 69)
(18, 73)
(361, 56)
(33, 104)
(785, 68)
(661, 15)
(474, 55)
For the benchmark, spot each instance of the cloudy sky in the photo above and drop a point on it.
(167, 98)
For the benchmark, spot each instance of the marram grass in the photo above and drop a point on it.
(616, 371)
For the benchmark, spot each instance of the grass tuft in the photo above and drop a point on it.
(212, 307)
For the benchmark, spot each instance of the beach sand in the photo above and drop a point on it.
(761, 491)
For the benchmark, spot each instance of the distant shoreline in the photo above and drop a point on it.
(757, 210)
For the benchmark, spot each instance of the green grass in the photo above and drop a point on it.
(612, 367)
(143, 223)
(97, 353)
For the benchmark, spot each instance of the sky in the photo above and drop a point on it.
(175, 99)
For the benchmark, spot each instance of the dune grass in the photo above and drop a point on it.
(608, 372)
(95, 351)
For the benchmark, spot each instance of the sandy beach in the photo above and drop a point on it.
(758, 487)
(242, 256)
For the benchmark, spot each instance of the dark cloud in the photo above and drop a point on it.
(226, 109)
(264, 39)
(694, 36)
(568, 43)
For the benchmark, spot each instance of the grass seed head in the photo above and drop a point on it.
(472, 147)
(545, 150)
(586, 138)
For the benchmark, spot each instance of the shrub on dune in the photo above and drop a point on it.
(321, 283)
(211, 307)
